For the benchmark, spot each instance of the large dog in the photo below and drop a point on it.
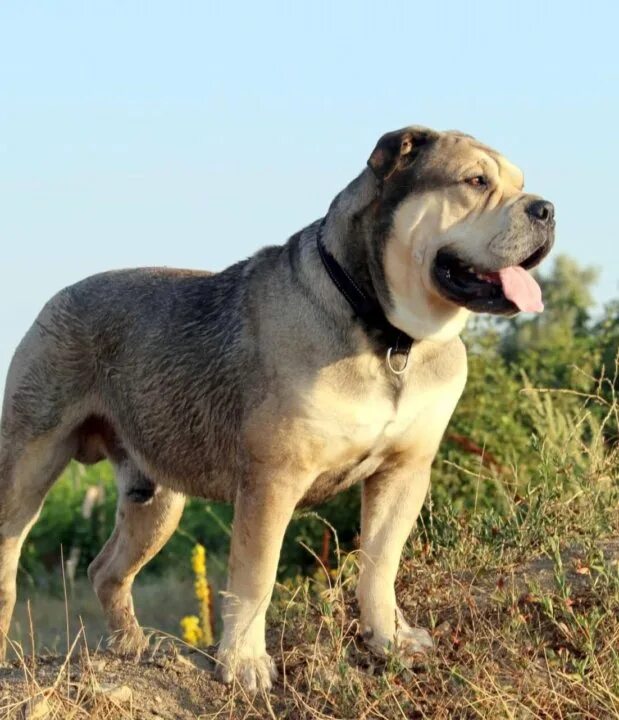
(330, 360)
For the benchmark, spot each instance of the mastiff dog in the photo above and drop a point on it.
(330, 360)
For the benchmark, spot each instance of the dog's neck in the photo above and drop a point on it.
(358, 231)
(346, 231)
(347, 248)
(362, 298)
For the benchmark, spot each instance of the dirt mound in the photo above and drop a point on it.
(104, 686)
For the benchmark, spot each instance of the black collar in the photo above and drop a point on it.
(368, 311)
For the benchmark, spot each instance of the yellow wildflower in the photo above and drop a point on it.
(192, 633)
(198, 560)
(198, 630)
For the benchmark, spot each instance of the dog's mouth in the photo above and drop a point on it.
(504, 291)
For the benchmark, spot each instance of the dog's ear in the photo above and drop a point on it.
(396, 149)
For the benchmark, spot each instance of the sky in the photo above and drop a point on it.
(190, 134)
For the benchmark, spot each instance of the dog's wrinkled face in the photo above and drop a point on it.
(456, 231)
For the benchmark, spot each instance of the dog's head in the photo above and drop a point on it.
(453, 231)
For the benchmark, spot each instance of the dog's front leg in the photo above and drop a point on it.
(391, 503)
(261, 514)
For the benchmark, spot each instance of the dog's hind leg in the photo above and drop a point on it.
(27, 471)
(142, 529)
(47, 391)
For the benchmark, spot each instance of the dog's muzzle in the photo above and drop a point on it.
(507, 288)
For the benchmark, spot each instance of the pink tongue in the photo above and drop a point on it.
(521, 288)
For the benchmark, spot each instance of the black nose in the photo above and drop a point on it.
(541, 210)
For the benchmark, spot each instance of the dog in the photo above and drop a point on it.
(330, 360)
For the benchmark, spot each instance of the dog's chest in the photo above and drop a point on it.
(358, 432)
(366, 425)
(362, 426)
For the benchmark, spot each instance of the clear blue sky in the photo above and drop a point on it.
(191, 133)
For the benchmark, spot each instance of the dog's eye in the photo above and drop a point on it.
(477, 181)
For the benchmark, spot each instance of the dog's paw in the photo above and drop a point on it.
(409, 645)
(412, 643)
(253, 673)
(129, 643)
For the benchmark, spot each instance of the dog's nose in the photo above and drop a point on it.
(541, 210)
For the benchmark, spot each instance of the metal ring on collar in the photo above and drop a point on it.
(390, 366)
